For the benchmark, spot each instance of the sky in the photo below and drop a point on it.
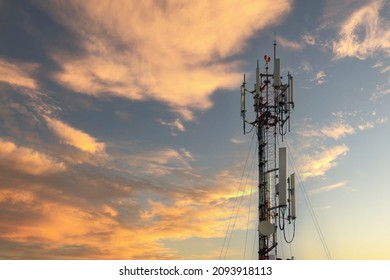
(121, 137)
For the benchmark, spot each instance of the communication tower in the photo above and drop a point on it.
(273, 102)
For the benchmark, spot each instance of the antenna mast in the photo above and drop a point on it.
(273, 103)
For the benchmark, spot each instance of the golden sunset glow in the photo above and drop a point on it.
(121, 136)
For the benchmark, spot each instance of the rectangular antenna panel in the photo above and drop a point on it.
(289, 93)
(242, 101)
(277, 72)
(282, 176)
(291, 87)
(285, 101)
(292, 187)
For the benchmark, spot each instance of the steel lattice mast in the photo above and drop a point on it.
(273, 103)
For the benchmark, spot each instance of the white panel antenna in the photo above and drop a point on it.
(290, 89)
(277, 73)
(292, 190)
(283, 176)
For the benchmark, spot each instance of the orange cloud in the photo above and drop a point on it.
(75, 137)
(376, 32)
(329, 187)
(175, 126)
(337, 130)
(17, 74)
(293, 45)
(161, 162)
(27, 160)
(14, 197)
(61, 225)
(172, 52)
(319, 163)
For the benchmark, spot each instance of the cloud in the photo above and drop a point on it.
(75, 137)
(318, 163)
(329, 187)
(315, 156)
(309, 39)
(122, 115)
(381, 90)
(382, 66)
(385, 69)
(366, 125)
(364, 32)
(56, 226)
(161, 162)
(337, 130)
(306, 66)
(169, 52)
(65, 219)
(175, 125)
(188, 217)
(289, 44)
(187, 154)
(18, 73)
(378, 64)
(27, 160)
(320, 78)
(237, 141)
(382, 120)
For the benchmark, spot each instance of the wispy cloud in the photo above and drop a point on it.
(378, 64)
(380, 91)
(75, 137)
(320, 77)
(309, 39)
(289, 44)
(315, 155)
(385, 69)
(161, 162)
(337, 130)
(342, 125)
(146, 50)
(27, 160)
(382, 66)
(186, 153)
(237, 141)
(328, 188)
(306, 66)
(364, 32)
(18, 73)
(175, 125)
(366, 125)
(129, 223)
(317, 164)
